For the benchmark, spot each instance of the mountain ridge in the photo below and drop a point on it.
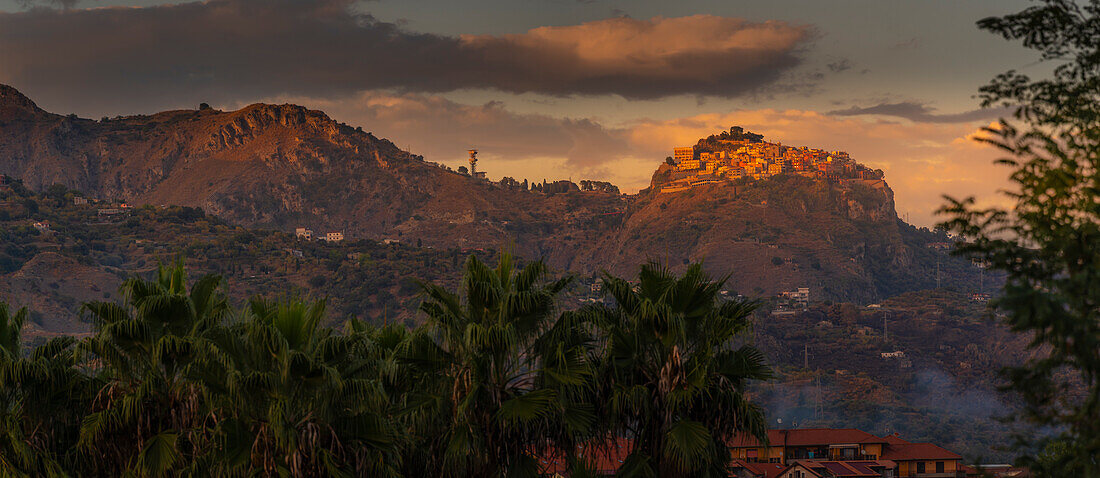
(286, 166)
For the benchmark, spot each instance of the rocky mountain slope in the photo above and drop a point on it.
(284, 166)
(57, 253)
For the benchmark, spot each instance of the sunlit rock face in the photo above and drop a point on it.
(285, 166)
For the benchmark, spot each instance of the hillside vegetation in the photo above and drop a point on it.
(279, 167)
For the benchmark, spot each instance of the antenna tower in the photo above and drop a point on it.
(473, 162)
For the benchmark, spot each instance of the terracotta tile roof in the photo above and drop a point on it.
(917, 451)
(845, 469)
(894, 439)
(763, 470)
(600, 460)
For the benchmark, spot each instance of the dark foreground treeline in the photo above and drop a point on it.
(176, 381)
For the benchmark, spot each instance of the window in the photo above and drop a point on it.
(920, 467)
(939, 467)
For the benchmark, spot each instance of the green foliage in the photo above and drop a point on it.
(498, 368)
(1047, 244)
(670, 371)
(299, 398)
(42, 398)
(148, 350)
(176, 382)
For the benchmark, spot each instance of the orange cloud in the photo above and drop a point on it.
(153, 57)
(700, 54)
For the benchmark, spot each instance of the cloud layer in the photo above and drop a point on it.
(920, 112)
(120, 59)
(700, 54)
(439, 128)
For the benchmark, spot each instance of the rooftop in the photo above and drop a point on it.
(810, 437)
(917, 451)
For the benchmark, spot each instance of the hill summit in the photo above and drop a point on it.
(741, 156)
(820, 222)
(16, 106)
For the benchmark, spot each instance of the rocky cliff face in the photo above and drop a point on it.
(284, 166)
(771, 236)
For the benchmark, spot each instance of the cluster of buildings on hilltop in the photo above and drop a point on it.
(815, 453)
(307, 234)
(733, 159)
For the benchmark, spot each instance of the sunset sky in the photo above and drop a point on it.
(581, 89)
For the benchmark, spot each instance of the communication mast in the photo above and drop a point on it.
(473, 162)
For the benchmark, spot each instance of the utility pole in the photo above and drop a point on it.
(819, 407)
(806, 356)
(885, 332)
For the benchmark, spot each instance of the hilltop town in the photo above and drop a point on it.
(838, 236)
(739, 155)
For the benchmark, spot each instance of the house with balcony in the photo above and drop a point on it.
(799, 453)
(786, 446)
(923, 460)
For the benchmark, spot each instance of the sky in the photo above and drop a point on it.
(554, 89)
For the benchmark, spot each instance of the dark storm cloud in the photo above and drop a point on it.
(838, 66)
(920, 113)
(121, 59)
(57, 3)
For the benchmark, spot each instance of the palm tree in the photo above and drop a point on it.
(34, 438)
(669, 372)
(148, 416)
(299, 399)
(11, 332)
(488, 404)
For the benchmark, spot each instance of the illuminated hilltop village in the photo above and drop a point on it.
(738, 155)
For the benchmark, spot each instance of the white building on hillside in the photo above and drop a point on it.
(798, 298)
